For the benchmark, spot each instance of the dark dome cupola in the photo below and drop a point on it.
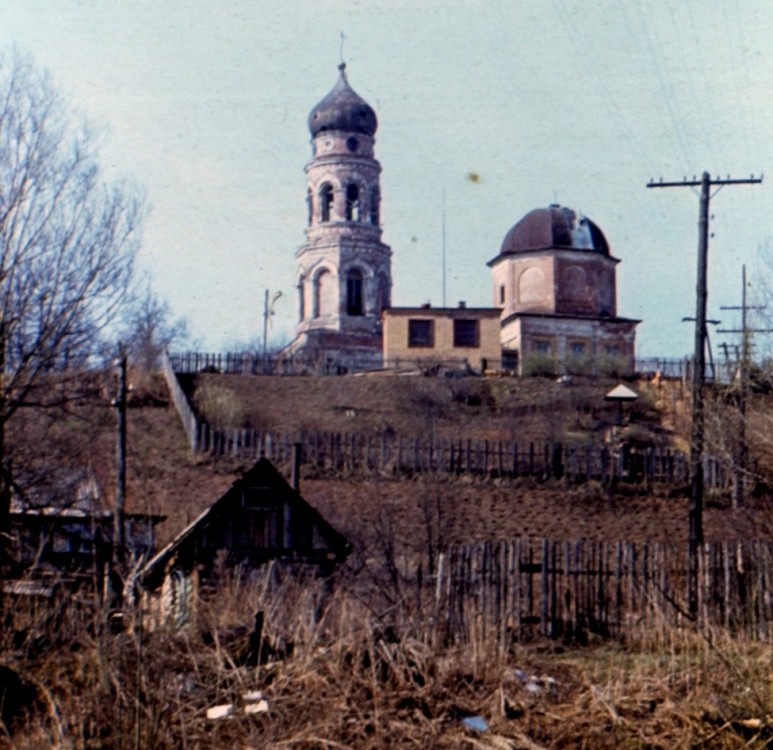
(554, 227)
(343, 110)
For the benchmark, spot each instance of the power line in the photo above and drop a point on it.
(743, 385)
(695, 540)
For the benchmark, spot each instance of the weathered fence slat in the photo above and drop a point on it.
(514, 590)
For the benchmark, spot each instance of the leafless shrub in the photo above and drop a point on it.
(219, 406)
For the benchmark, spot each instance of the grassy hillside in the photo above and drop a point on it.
(163, 476)
(529, 409)
(349, 660)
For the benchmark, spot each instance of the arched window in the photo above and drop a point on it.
(575, 283)
(310, 204)
(301, 298)
(352, 202)
(354, 293)
(325, 201)
(375, 199)
(325, 294)
(531, 285)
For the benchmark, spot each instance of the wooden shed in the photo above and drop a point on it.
(259, 519)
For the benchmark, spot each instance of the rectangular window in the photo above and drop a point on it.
(612, 351)
(541, 346)
(421, 333)
(466, 333)
(577, 349)
(502, 294)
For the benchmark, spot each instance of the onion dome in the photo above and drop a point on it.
(343, 109)
(554, 227)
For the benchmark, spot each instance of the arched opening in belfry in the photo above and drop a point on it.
(325, 202)
(301, 298)
(324, 294)
(352, 202)
(310, 205)
(375, 200)
(354, 304)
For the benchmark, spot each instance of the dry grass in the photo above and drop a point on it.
(527, 409)
(351, 662)
(356, 680)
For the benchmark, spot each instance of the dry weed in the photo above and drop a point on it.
(335, 675)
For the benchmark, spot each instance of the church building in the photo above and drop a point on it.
(554, 282)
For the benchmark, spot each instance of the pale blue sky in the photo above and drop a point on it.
(204, 103)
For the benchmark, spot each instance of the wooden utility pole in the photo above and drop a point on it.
(119, 528)
(744, 359)
(268, 311)
(695, 540)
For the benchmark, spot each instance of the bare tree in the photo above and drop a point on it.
(149, 328)
(67, 242)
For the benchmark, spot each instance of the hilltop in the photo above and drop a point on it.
(165, 477)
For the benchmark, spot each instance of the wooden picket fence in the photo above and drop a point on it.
(522, 589)
(180, 401)
(390, 454)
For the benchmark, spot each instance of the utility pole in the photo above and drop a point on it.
(119, 530)
(695, 539)
(268, 311)
(744, 359)
(443, 246)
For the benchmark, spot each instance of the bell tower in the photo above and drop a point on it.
(343, 269)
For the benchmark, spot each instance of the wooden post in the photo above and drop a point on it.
(297, 458)
(119, 533)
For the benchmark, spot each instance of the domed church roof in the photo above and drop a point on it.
(343, 109)
(554, 227)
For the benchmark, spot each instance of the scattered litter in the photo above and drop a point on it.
(534, 683)
(254, 703)
(260, 707)
(224, 711)
(751, 723)
(476, 723)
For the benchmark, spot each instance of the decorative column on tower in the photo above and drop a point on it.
(343, 269)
